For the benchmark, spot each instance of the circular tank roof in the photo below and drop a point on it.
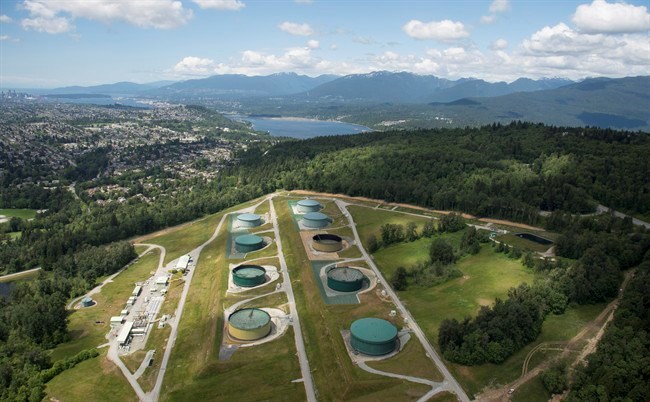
(327, 238)
(316, 216)
(249, 217)
(374, 330)
(309, 203)
(249, 240)
(249, 271)
(345, 274)
(249, 318)
(87, 300)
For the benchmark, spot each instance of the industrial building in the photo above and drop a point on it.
(116, 320)
(123, 336)
(327, 243)
(305, 206)
(87, 302)
(162, 281)
(316, 220)
(248, 276)
(136, 291)
(249, 220)
(373, 336)
(183, 262)
(248, 243)
(249, 324)
(345, 279)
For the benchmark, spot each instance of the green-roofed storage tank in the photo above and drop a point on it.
(249, 220)
(305, 206)
(327, 243)
(248, 243)
(248, 276)
(345, 279)
(315, 220)
(87, 302)
(373, 336)
(249, 324)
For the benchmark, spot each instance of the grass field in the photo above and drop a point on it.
(18, 213)
(84, 332)
(93, 380)
(335, 377)
(194, 372)
(531, 391)
(369, 220)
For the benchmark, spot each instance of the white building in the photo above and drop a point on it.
(123, 336)
(183, 262)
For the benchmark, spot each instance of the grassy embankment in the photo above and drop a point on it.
(335, 377)
(263, 372)
(18, 213)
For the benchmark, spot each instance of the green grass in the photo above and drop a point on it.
(15, 235)
(335, 377)
(18, 213)
(412, 351)
(83, 331)
(93, 380)
(444, 397)
(262, 372)
(523, 244)
(369, 220)
(531, 391)
(20, 276)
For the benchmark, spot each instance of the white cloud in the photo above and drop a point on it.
(444, 30)
(603, 17)
(499, 6)
(5, 19)
(499, 44)
(313, 44)
(55, 16)
(221, 4)
(4, 37)
(303, 1)
(488, 19)
(53, 25)
(194, 66)
(364, 40)
(296, 29)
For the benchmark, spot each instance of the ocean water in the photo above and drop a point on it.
(303, 128)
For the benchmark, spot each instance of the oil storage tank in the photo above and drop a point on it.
(248, 243)
(305, 206)
(249, 220)
(373, 336)
(327, 243)
(316, 220)
(87, 302)
(345, 279)
(248, 276)
(249, 324)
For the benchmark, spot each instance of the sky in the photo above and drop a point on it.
(51, 43)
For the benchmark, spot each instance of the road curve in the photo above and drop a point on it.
(452, 384)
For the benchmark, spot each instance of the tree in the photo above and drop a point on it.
(441, 251)
(429, 228)
(555, 379)
(452, 222)
(411, 232)
(373, 244)
(398, 280)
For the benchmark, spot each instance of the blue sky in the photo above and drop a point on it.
(48, 43)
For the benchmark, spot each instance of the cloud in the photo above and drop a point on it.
(603, 17)
(5, 19)
(194, 66)
(444, 30)
(499, 44)
(499, 6)
(488, 19)
(303, 1)
(313, 44)
(233, 5)
(55, 16)
(364, 40)
(296, 29)
(4, 37)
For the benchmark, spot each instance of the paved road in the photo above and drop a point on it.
(297, 329)
(174, 323)
(450, 382)
(638, 222)
(9, 277)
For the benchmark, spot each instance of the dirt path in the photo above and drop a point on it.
(598, 324)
